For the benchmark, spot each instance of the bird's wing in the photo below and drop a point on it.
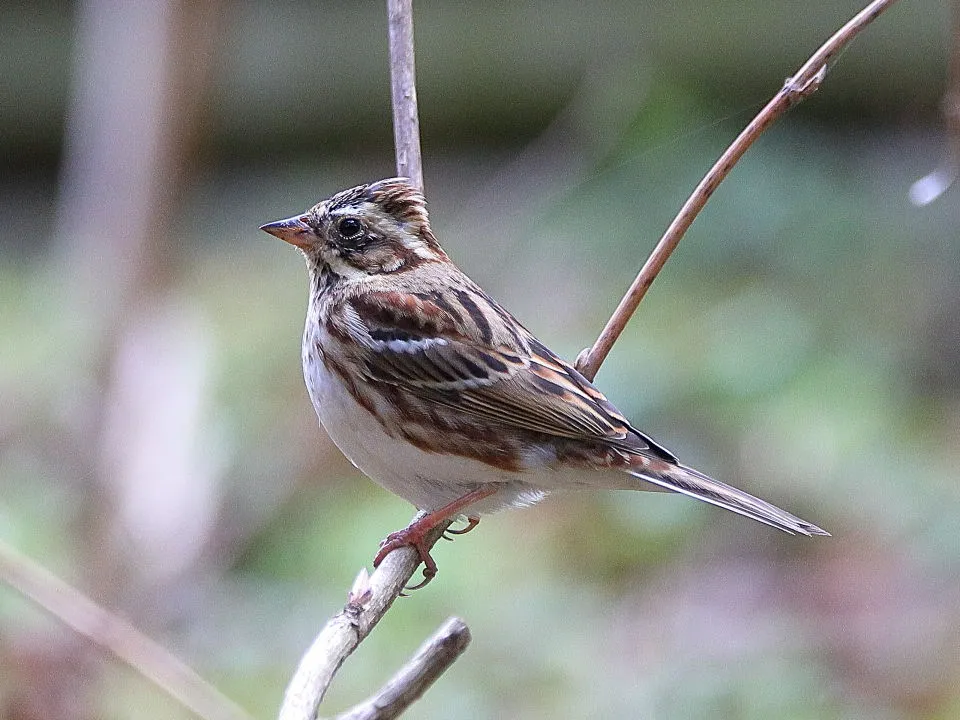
(453, 351)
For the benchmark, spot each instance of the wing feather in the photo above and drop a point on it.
(494, 370)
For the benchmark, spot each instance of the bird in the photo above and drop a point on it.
(436, 392)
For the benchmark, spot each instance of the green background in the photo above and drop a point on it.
(803, 343)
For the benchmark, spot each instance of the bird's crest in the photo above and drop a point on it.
(397, 198)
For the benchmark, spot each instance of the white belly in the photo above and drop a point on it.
(426, 480)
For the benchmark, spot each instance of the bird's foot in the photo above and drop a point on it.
(414, 536)
(416, 532)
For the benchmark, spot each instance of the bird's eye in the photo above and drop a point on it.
(349, 227)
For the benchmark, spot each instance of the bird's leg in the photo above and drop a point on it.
(415, 533)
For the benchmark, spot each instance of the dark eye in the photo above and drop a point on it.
(349, 227)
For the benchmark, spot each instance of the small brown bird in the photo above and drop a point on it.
(441, 396)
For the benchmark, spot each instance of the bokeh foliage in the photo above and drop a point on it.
(803, 343)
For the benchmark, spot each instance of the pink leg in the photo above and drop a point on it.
(415, 532)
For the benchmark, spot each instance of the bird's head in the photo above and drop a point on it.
(370, 229)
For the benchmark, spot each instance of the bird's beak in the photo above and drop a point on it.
(293, 230)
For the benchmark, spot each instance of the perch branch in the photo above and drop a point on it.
(406, 125)
(115, 634)
(805, 82)
(372, 596)
(437, 654)
(367, 603)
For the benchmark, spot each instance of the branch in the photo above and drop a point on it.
(797, 88)
(115, 634)
(437, 654)
(367, 603)
(406, 126)
(928, 188)
(372, 596)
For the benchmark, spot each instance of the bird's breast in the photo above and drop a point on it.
(366, 428)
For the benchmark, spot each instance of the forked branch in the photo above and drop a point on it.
(367, 602)
(372, 596)
(404, 688)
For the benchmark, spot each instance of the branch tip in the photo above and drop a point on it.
(361, 592)
(433, 658)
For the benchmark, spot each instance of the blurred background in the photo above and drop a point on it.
(159, 452)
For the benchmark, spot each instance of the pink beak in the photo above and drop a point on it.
(294, 230)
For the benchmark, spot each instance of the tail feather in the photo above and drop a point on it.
(687, 481)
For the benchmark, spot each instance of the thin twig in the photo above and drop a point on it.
(406, 125)
(371, 597)
(368, 602)
(806, 81)
(437, 654)
(115, 634)
(931, 186)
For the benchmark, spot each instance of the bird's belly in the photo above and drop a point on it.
(427, 480)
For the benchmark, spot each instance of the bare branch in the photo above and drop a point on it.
(806, 81)
(347, 629)
(115, 634)
(928, 188)
(372, 596)
(438, 653)
(406, 125)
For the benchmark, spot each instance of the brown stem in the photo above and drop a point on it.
(406, 125)
(373, 595)
(116, 635)
(804, 83)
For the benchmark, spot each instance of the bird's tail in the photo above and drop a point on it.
(688, 481)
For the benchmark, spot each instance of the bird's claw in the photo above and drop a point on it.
(411, 536)
(428, 575)
(472, 522)
(416, 532)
